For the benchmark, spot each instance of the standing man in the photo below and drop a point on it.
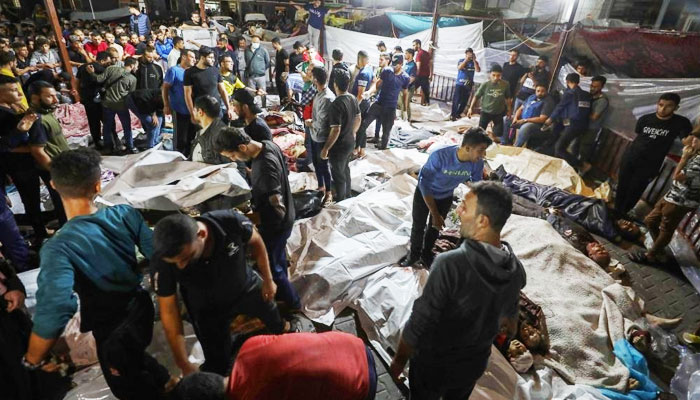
(409, 67)
(147, 100)
(381, 47)
(392, 81)
(512, 72)
(129, 49)
(257, 64)
(110, 39)
(442, 173)
(479, 281)
(281, 68)
(95, 256)
(599, 107)
(297, 56)
(173, 92)
(164, 45)
(174, 56)
(345, 120)
(138, 22)
(204, 79)
(466, 67)
(240, 59)
(221, 49)
(206, 112)
(272, 201)
(573, 111)
(645, 155)
(320, 125)
(424, 71)
(247, 111)
(495, 99)
(338, 64)
(316, 15)
(89, 89)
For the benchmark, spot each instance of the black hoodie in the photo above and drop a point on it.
(468, 291)
(147, 96)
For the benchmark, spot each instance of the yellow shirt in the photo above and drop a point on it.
(232, 87)
(8, 72)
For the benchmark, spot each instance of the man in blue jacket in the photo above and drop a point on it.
(139, 23)
(442, 173)
(573, 111)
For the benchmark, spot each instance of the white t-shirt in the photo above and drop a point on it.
(119, 48)
(172, 57)
(197, 154)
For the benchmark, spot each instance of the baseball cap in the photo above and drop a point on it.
(397, 59)
(244, 97)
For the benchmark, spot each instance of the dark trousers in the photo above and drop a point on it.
(384, 116)
(485, 118)
(569, 134)
(213, 326)
(109, 136)
(13, 245)
(632, 179)
(94, 117)
(662, 221)
(15, 380)
(129, 370)
(422, 239)
(281, 87)
(361, 140)
(428, 381)
(276, 245)
(424, 84)
(340, 173)
(323, 172)
(185, 132)
(460, 99)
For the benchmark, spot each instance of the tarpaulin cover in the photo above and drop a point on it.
(108, 15)
(409, 24)
(307, 203)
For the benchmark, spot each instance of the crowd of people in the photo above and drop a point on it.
(214, 98)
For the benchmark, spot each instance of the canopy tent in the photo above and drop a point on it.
(409, 24)
(109, 15)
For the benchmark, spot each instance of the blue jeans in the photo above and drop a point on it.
(526, 132)
(152, 132)
(13, 245)
(109, 135)
(460, 99)
(323, 171)
(507, 122)
(276, 245)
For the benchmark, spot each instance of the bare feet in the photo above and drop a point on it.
(664, 323)
(328, 199)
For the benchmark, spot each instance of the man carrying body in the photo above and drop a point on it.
(471, 294)
(344, 121)
(257, 64)
(94, 254)
(442, 173)
(530, 117)
(466, 67)
(392, 81)
(272, 201)
(496, 102)
(643, 158)
(205, 79)
(424, 71)
(281, 68)
(173, 92)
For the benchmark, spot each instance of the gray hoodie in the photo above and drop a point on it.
(468, 291)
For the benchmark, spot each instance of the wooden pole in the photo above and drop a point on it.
(62, 50)
(562, 44)
(433, 33)
(202, 11)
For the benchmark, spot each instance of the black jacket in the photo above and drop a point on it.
(147, 97)
(469, 290)
(206, 139)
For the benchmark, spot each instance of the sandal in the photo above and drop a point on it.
(641, 257)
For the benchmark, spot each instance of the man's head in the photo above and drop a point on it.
(195, 17)
(244, 103)
(178, 43)
(320, 76)
(513, 56)
(398, 50)
(362, 58)
(695, 142)
(206, 56)
(226, 63)
(341, 80)
(542, 62)
(42, 45)
(134, 9)
(255, 42)
(484, 210)
(179, 240)
(187, 58)
(222, 42)
(76, 45)
(475, 141)
(242, 43)
(582, 68)
(9, 90)
(103, 58)
(20, 49)
(541, 90)
(381, 46)
(316, 3)
(76, 173)
(337, 55)
(495, 73)
(113, 53)
(160, 35)
(469, 54)
(206, 109)
(201, 386)
(235, 144)
(668, 104)
(96, 37)
(149, 55)
(417, 45)
(109, 37)
(384, 59)
(80, 34)
(409, 54)
(135, 39)
(276, 44)
(397, 62)
(572, 80)
(131, 64)
(299, 47)
(597, 85)
(42, 96)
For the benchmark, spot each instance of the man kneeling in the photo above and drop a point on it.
(331, 365)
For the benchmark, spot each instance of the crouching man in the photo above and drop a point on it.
(309, 366)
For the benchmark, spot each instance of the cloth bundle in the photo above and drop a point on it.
(407, 138)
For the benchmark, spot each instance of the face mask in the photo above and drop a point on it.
(255, 46)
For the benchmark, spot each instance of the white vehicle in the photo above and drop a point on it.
(254, 17)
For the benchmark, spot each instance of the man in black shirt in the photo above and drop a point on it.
(297, 56)
(643, 158)
(338, 64)
(205, 79)
(281, 67)
(222, 50)
(146, 102)
(77, 54)
(207, 258)
(345, 120)
(88, 88)
(512, 72)
(272, 201)
(247, 111)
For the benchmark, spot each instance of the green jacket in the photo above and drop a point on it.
(118, 84)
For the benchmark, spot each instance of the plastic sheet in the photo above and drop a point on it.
(681, 382)
(409, 24)
(307, 203)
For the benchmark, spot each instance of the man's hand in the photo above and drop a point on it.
(680, 177)
(231, 114)
(469, 112)
(269, 289)
(437, 221)
(27, 121)
(548, 122)
(688, 151)
(308, 122)
(90, 68)
(154, 120)
(166, 110)
(395, 370)
(193, 120)
(324, 153)
(15, 300)
(189, 368)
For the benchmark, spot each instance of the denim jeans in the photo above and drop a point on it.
(109, 135)
(13, 244)
(323, 172)
(385, 117)
(276, 245)
(460, 99)
(152, 132)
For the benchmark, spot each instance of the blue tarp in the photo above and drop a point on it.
(637, 364)
(408, 24)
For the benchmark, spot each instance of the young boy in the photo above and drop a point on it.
(682, 197)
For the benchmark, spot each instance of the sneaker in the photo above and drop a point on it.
(327, 199)
(132, 150)
(372, 140)
(408, 261)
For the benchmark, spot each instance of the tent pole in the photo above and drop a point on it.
(202, 11)
(92, 10)
(433, 32)
(662, 14)
(62, 51)
(562, 42)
